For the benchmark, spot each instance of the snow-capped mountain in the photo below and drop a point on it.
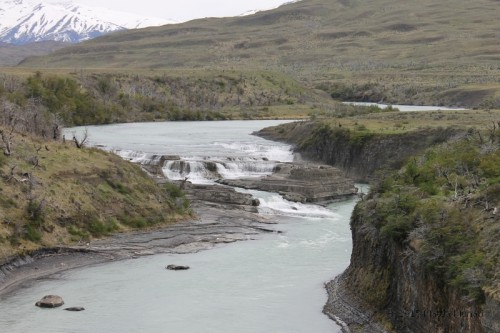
(26, 21)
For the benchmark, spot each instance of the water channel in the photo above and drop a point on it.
(272, 284)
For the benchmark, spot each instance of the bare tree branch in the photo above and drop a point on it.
(81, 143)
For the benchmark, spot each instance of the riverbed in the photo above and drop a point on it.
(273, 283)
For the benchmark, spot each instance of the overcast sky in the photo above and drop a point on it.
(183, 10)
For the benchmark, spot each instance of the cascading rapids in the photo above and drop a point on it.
(207, 171)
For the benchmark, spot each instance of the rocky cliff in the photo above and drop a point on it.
(359, 154)
(395, 281)
(426, 238)
(301, 182)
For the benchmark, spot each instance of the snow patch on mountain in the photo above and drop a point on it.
(26, 21)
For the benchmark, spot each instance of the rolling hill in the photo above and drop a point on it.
(443, 52)
(312, 33)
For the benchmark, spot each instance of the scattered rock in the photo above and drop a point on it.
(220, 194)
(50, 301)
(75, 308)
(177, 267)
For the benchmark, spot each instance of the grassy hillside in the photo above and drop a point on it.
(11, 55)
(52, 193)
(398, 51)
(352, 33)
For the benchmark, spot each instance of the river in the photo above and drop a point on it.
(272, 284)
(407, 108)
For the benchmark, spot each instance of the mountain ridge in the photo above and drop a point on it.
(27, 21)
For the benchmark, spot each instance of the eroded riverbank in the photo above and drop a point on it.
(213, 225)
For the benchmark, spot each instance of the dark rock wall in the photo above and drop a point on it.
(387, 277)
(359, 155)
(391, 280)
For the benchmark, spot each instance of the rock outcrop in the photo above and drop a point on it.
(301, 182)
(386, 281)
(50, 301)
(359, 156)
(219, 194)
(418, 274)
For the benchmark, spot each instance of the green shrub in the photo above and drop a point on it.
(98, 228)
(78, 233)
(173, 190)
(446, 192)
(118, 187)
(32, 233)
(36, 213)
(134, 222)
(397, 228)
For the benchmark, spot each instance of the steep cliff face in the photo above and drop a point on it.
(359, 154)
(425, 241)
(393, 280)
(426, 238)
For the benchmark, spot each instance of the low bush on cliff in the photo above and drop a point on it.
(444, 205)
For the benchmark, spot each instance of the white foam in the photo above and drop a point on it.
(200, 170)
(244, 169)
(195, 171)
(275, 204)
(281, 153)
(138, 157)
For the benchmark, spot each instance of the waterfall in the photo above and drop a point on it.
(206, 171)
(139, 157)
(268, 152)
(197, 172)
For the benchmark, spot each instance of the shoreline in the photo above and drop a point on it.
(213, 225)
(347, 310)
(216, 222)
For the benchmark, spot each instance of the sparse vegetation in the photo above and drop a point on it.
(426, 53)
(446, 201)
(441, 207)
(71, 195)
(85, 98)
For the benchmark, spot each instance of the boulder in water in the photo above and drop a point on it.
(75, 308)
(50, 301)
(177, 267)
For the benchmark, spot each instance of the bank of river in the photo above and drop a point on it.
(272, 284)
